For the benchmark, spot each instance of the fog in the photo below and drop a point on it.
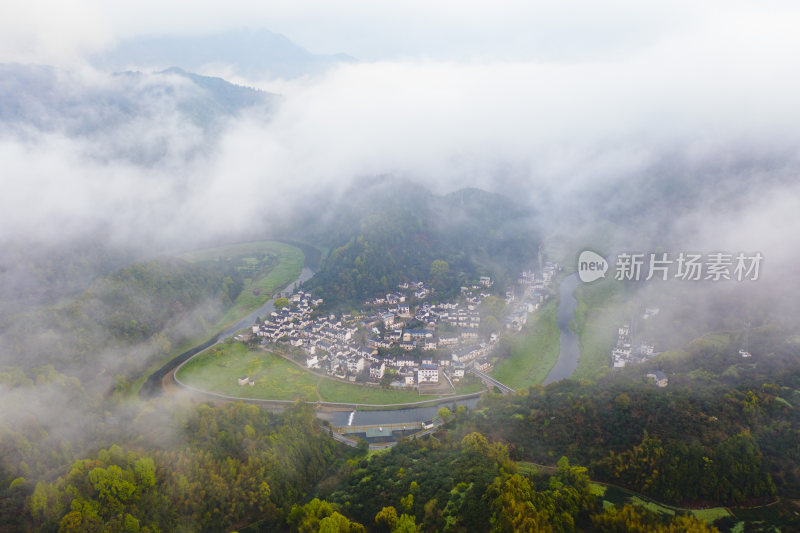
(553, 131)
(627, 129)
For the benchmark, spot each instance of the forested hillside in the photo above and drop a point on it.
(238, 467)
(452, 483)
(730, 441)
(227, 467)
(388, 231)
(33, 274)
(148, 306)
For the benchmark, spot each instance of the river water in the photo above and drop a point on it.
(394, 416)
(569, 352)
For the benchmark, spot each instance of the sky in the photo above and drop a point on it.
(516, 30)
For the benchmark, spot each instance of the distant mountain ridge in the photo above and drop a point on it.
(254, 53)
(49, 98)
(111, 112)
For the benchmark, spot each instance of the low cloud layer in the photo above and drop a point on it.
(710, 103)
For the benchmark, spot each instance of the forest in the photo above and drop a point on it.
(402, 232)
(730, 442)
(233, 465)
(122, 318)
(169, 464)
(238, 467)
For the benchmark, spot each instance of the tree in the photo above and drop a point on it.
(490, 324)
(319, 515)
(281, 302)
(476, 447)
(386, 519)
(407, 503)
(338, 523)
(405, 524)
(512, 507)
(639, 520)
(388, 377)
(363, 446)
(439, 269)
(622, 402)
(439, 274)
(432, 514)
(444, 413)
(493, 306)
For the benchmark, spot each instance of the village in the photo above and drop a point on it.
(625, 353)
(400, 339)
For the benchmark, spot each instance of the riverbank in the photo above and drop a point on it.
(531, 355)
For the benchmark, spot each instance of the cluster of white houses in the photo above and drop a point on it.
(534, 291)
(333, 345)
(624, 353)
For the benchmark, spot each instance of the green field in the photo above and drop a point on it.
(533, 353)
(613, 495)
(336, 391)
(597, 318)
(218, 369)
(271, 265)
(531, 469)
(468, 387)
(617, 496)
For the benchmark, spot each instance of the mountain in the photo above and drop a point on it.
(52, 99)
(253, 53)
(385, 231)
(146, 303)
(137, 117)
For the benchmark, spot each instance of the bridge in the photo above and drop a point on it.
(505, 389)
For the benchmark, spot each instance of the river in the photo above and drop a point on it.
(267, 308)
(569, 353)
(394, 416)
